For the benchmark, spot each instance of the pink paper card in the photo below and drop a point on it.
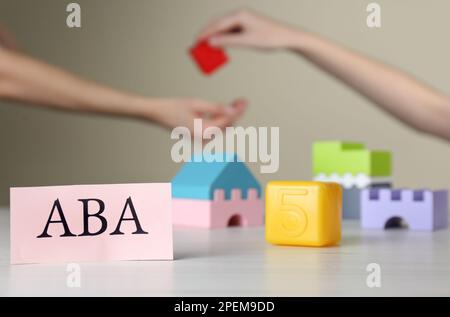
(91, 223)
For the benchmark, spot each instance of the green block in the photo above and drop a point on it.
(344, 157)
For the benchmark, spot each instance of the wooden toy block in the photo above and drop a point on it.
(220, 212)
(420, 209)
(353, 158)
(303, 213)
(208, 194)
(208, 58)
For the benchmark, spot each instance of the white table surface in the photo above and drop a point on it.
(238, 262)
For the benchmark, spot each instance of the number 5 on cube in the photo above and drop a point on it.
(303, 213)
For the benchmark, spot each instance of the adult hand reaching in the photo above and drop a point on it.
(401, 95)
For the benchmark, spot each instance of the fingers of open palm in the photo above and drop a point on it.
(224, 121)
(239, 106)
(203, 108)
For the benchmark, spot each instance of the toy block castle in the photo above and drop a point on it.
(353, 167)
(420, 210)
(211, 194)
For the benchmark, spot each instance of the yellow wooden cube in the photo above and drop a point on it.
(303, 213)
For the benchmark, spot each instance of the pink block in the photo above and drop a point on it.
(219, 213)
(146, 204)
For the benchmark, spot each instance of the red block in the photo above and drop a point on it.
(208, 58)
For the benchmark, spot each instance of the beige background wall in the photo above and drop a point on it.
(140, 45)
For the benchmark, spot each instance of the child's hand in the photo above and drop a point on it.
(248, 29)
(182, 112)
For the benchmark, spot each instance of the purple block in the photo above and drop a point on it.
(420, 209)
